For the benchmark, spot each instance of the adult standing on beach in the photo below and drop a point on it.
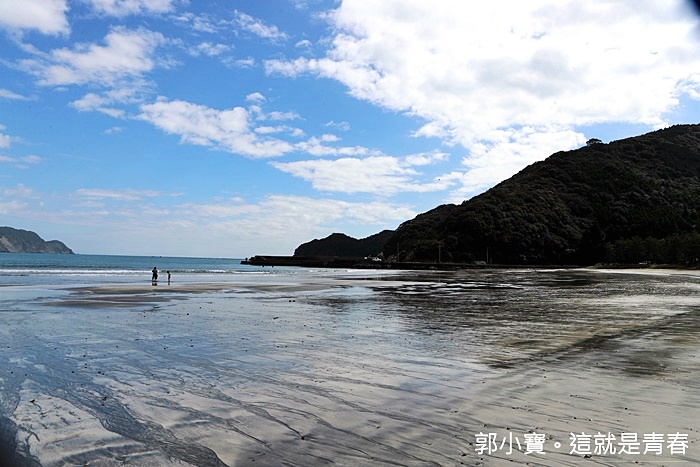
(154, 277)
(168, 277)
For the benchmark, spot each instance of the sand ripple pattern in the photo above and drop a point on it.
(347, 370)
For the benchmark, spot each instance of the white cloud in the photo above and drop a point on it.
(281, 116)
(474, 72)
(244, 63)
(7, 94)
(105, 102)
(507, 152)
(267, 130)
(114, 130)
(5, 140)
(228, 130)
(19, 191)
(130, 7)
(93, 102)
(209, 49)
(384, 175)
(280, 223)
(255, 97)
(231, 130)
(316, 147)
(127, 54)
(257, 27)
(45, 16)
(12, 207)
(32, 159)
(233, 227)
(343, 126)
(116, 195)
(199, 23)
(427, 158)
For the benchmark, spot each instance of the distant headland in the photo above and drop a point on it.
(24, 241)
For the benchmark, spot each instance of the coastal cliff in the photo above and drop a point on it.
(24, 241)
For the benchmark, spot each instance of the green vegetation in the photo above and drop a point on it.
(338, 244)
(629, 201)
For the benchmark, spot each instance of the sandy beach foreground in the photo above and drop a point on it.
(488, 367)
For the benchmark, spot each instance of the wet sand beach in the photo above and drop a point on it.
(356, 369)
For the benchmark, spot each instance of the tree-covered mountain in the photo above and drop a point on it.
(25, 241)
(339, 244)
(631, 200)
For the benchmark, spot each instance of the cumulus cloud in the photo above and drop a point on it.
(45, 16)
(490, 76)
(228, 130)
(377, 174)
(232, 130)
(255, 97)
(126, 54)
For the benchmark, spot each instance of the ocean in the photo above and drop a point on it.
(54, 269)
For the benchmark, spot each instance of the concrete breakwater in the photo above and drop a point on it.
(360, 263)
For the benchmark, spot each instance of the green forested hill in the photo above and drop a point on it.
(338, 244)
(631, 200)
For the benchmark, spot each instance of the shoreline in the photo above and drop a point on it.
(363, 263)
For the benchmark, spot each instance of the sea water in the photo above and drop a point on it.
(57, 269)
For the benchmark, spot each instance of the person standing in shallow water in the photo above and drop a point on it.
(154, 276)
(168, 277)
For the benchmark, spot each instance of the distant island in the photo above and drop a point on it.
(631, 201)
(24, 241)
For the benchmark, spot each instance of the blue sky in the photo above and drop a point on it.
(234, 128)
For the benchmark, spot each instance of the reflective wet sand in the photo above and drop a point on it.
(379, 370)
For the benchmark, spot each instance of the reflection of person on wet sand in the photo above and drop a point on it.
(154, 277)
